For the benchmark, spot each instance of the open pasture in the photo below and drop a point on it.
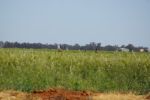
(38, 69)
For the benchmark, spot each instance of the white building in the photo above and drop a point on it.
(141, 50)
(124, 49)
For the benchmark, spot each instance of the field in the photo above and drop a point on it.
(30, 70)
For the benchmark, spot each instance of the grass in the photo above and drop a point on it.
(34, 69)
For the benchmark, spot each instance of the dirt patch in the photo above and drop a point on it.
(61, 94)
(148, 96)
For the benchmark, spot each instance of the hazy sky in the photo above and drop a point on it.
(76, 21)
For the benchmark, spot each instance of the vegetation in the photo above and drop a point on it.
(34, 69)
(90, 46)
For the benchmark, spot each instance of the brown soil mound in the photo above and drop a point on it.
(148, 97)
(61, 94)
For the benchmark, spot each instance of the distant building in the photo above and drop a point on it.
(58, 46)
(141, 50)
(148, 50)
(124, 49)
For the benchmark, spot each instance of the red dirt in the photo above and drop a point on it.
(61, 94)
(148, 97)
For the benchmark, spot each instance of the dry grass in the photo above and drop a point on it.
(117, 96)
(15, 95)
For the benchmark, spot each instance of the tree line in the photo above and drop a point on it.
(90, 46)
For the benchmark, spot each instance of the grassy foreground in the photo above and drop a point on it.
(30, 69)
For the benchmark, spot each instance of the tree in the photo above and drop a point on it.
(130, 47)
(98, 46)
(76, 47)
(1, 44)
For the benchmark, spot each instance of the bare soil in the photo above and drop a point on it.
(62, 94)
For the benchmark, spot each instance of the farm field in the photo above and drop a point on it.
(29, 70)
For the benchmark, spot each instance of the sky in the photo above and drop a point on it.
(114, 22)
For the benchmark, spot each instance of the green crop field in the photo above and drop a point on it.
(36, 69)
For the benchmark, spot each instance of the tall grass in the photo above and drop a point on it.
(30, 69)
